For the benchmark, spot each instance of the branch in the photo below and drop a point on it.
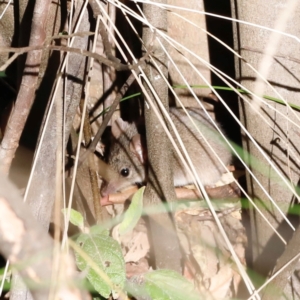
(222, 192)
(106, 44)
(108, 116)
(27, 91)
(101, 59)
(24, 243)
(28, 86)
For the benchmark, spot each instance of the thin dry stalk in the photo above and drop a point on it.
(28, 86)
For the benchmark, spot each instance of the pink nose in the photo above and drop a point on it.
(108, 188)
(105, 201)
(104, 188)
(103, 191)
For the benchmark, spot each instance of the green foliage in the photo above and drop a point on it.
(104, 264)
(75, 217)
(163, 285)
(133, 213)
(106, 253)
(169, 285)
(7, 282)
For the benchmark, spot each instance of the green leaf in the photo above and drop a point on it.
(169, 285)
(2, 74)
(133, 213)
(7, 278)
(106, 253)
(98, 229)
(76, 217)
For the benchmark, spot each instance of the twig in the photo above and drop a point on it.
(67, 36)
(108, 116)
(106, 44)
(101, 59)
(87, 132)
(226, 191)
(108, 74)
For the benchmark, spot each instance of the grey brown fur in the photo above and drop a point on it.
(127, 152)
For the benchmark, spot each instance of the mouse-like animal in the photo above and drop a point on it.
(128, 152)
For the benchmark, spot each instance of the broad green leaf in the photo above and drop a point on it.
(76, 217)
(133, 213)
(169, 285)
(106, 253)
(98, 229)
(135, 287)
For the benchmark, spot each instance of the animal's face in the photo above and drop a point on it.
(126, 159)
(126, 163)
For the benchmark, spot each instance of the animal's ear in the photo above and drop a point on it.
(118, 127)
(136, 147)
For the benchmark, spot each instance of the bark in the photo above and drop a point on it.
(277, 285)
(6, 29)
(193, 39)
(27, 89)
(41, 194)
(45, 185)
(160, 184)
(279, 140)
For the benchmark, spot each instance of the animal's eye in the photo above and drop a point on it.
(125, 172)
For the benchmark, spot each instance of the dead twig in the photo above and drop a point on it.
(226, 191)
(101, 59)
(108, 116)
(87, 132)
(106, 44)
(109, 75)
(28, 86)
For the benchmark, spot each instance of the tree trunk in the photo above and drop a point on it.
(279, 139)
(160, 188)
